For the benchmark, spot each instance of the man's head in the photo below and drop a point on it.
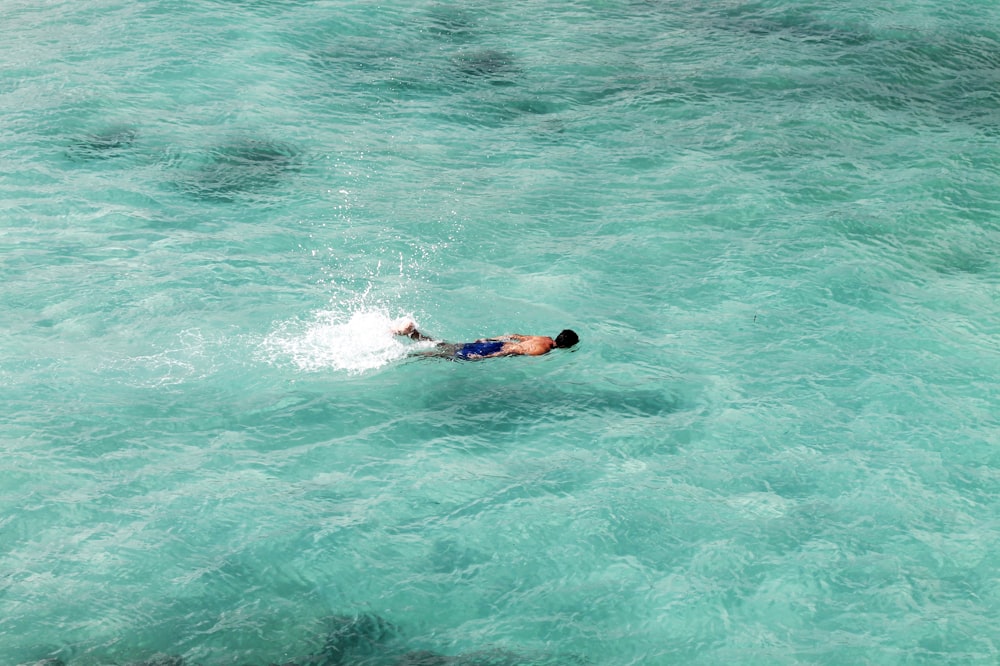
(567, 339)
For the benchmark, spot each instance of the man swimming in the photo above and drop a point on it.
(505, 345)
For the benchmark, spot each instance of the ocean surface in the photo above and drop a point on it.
(774, 225)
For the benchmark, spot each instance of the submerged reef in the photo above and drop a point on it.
(363, 639)
(106, 143)
(493, 66)
(241, 166)
(352, 639)
(452, 23)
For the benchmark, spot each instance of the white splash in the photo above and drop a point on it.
(353, 342)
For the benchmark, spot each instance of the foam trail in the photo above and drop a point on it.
(353, 342)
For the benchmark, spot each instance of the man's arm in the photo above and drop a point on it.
(417, 335)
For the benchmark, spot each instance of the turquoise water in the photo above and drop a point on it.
(774, 225)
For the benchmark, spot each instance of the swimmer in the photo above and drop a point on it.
(505, 345)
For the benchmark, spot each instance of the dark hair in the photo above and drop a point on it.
(567, 339)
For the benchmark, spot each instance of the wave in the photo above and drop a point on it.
(351, 341)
